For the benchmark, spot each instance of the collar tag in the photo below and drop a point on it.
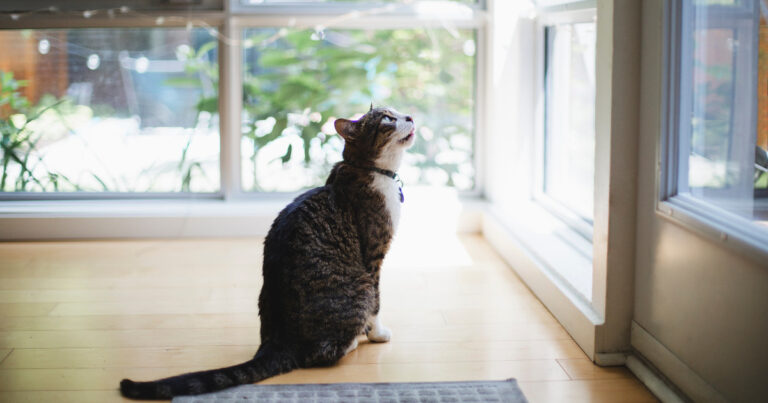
(399, 187)
(385, 172)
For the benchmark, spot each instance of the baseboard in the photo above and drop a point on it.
(667, 363)
(610, 359)
(652, 381)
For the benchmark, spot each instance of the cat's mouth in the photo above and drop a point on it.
(407, 138)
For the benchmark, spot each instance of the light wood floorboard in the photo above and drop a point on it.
(76, 317)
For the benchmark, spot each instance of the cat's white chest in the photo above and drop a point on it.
(390, 189)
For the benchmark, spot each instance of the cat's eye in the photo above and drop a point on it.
(387, 119)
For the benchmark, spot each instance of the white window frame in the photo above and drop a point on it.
(571, 13)
(231, 22)
(706, 219)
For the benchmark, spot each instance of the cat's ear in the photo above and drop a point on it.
(371, 107)
(345, 128)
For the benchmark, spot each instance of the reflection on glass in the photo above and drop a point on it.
(570, 117)
(712, 111)
(119, 110)
(724, 154)
(296, 82)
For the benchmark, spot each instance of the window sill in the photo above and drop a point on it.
(719, 226)
(110, 219)
(137, 208)
(554, 261)
(561, 251)
(45, 220)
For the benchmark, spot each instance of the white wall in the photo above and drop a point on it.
(511, 102)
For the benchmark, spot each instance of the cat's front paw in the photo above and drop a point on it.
(379, 334)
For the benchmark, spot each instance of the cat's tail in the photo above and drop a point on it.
(266, 363)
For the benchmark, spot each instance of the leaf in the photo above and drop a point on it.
(277, 130)
(208, 104)
(186, 181)
(18, 160)
(66, 179)
(287, 157)
(206, 47)
(55, 180)
(104, 186)
(183, 82)
(278, 59)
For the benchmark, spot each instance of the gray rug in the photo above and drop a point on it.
(483, 391)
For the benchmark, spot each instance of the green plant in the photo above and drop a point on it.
(18, 142)
(198, 62)
(298, 80)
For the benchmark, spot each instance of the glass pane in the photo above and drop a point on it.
(298, 82)
(723, 149)
(550, 3)
(569, 155)
(761, 147)
(712, 103)
(119, 110)
(717, 2)
(257, 2)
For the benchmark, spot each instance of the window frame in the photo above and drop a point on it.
(299, 7)
(570, 13)
(712, 222)
(214, 20)
(231, 21)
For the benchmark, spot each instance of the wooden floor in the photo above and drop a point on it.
(77, 317)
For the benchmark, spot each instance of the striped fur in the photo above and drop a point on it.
(322, 258)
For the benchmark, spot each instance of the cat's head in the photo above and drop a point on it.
(378, 138)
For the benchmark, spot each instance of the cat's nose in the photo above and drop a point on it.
(408, 119)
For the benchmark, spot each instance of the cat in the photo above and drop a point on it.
(322, 257)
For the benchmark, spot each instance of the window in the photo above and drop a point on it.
(256, 2)
(113, 110)
(717, 156)
(722, 141)
(139, 108)
(297, 82)
(569, 159)
(566, 164)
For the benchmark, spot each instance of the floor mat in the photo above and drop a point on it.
(478, 391)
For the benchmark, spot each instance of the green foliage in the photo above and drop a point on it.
(295, 83)
(198, 62)
(18, 141)
(208, 104)
(761, 181)
(9, 92)
(303, 79)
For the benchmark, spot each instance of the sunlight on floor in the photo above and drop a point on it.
(76, 317)
(426, 236)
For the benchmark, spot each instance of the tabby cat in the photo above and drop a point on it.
(322, 258)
